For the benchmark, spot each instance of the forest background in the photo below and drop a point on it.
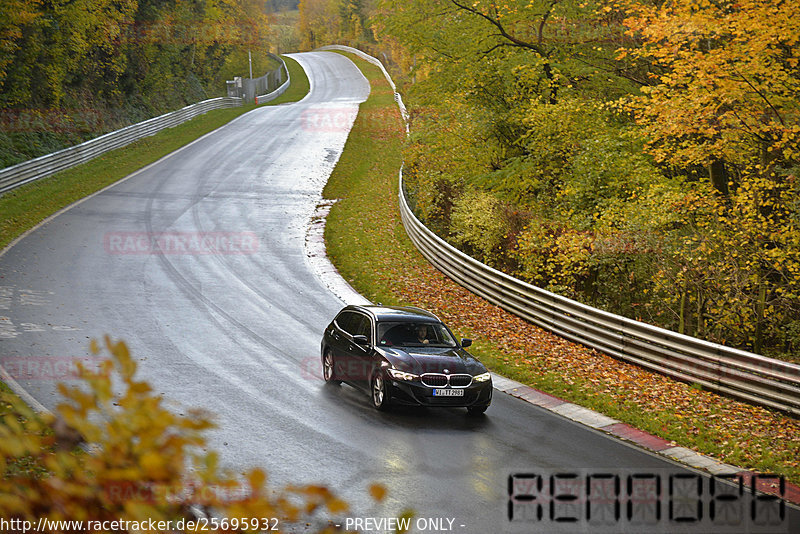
(639, 156)
(71, 70)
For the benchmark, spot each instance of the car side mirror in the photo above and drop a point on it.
(465, 342)
(361, 340)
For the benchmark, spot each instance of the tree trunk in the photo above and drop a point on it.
(719, 176)
(685, 325)
(758, 342)
(548, 72)
(700, 324)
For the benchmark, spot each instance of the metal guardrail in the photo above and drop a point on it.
(744, 375)
(264, 88)
(377, 63)
(49, 164)
(747, 376)
(273, 78)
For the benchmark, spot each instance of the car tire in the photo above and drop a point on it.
(379, 392)
(329, 368)
(477, 410)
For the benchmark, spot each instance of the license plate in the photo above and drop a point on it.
(448, 392)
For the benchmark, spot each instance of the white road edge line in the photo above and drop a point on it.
(15, 386)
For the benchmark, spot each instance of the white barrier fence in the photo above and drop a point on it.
(49, 164)
(740, 374)
(730, 371)
(377, 63)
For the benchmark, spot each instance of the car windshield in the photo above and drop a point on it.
(410, 334)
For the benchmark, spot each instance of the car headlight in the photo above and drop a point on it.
(402, 375)
(482, 377)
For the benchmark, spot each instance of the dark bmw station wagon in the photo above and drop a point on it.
(403, 355)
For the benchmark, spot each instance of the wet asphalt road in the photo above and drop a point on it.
(237, 332)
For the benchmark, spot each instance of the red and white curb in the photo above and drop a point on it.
(317, 258)
(624, 431)
(325, 271)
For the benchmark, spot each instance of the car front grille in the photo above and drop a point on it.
(438, 380)
(434, 380)
(460, 381)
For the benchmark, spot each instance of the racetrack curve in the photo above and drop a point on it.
(238, 333)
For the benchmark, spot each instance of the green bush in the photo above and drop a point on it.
(478, 225)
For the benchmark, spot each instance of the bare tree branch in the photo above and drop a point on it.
(546, 15)
(762, 95)
(621, 72)
(501, 29)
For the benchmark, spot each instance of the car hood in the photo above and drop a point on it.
(419, 360)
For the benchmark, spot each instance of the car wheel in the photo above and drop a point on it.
(328, 368)
(380, 397)
(477, 410)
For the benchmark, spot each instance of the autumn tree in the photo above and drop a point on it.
(55, 45)
(513, 109)
(15, 15)
(726, 98)
(317, 23)
(639, 156)
(98, 65)
(324, 22)
(726, 94)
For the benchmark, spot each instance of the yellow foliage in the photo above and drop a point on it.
(143, 462)
(377, 492)
(728, 87)
(554, 257)
(478, 223)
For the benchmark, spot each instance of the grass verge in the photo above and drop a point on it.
(366, 241)
(24, 207)
(299, 86)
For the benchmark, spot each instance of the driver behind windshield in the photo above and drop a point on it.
(422, 334)
(393, 333)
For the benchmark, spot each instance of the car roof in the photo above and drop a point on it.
(396, 313)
